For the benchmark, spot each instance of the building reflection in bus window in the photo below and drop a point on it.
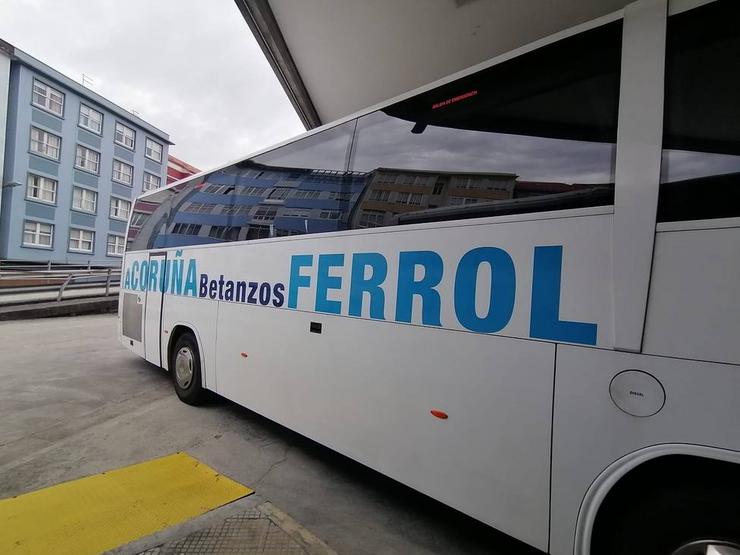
(523, 136)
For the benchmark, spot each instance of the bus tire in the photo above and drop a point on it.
(674, 519)
(186, 374)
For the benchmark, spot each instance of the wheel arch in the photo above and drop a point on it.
(614, 478)
(176, 331)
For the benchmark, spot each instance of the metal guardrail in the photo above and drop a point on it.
(28, 278)
(108, 277)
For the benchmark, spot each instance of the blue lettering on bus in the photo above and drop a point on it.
(134, 272)
(502, 295)
(143, 275)
(419, 275)
(324, 282)
(297, 280)
(190, 287)
(408, 286)
(545, 322)
(359, 284)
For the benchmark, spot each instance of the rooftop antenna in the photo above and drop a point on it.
(87, 81)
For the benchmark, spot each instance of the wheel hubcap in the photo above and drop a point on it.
(708, 547)
(184, 368)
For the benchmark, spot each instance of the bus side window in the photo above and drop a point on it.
(534, 133)
(301, 187)
(700, 171)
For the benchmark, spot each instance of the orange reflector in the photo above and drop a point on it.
(439, 414)
(244, 355)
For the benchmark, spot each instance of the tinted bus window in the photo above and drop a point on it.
(302, 187)
(535, 133)
(700, 172)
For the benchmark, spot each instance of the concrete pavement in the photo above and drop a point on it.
(73, 402)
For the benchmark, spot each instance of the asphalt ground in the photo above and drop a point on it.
(74, 402)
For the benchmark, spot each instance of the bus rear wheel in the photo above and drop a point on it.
(185, 370)
(688, 519)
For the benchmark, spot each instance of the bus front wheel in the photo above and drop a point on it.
(185, 370)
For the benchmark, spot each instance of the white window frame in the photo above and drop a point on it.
(43, 144)
(52, 185)
(371, 218)
(85, 196)
(119, 176)
(37, 234)
(124, 136)
(47, 92)
(80, 240)
(91, 111)
(116, 240)
(380, 195)
(264, 214)
(296, 213)
(116, 204)
(82, 160)
(150, 145)
(138, 219)
(147, 186)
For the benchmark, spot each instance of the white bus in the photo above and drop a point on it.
(516, 290)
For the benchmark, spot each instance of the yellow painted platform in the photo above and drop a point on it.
(100, 512)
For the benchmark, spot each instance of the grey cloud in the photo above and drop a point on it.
(191, 68)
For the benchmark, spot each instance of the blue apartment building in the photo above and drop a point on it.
(73, 164)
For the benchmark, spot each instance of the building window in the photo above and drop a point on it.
(438, 188)
(330, 214)
(409, 198)
(87, 159)
(307, 194)
(45, 143)
(153, 150)
(380, 195)
(258, 232)
(264, 214)
(125, 136)
(225, 232)
(198, 208)
(186, 229)
(219, 189)
(81, 240)
(116, 245)
(252, 191)
(84, 199)
(90, 119)
(151, 181)
(36, 234)
(460, 201)
(295, 213)
(41, 188)
(279, 193)
(138, 219)
(123, 173)
(371, 218)
(119, 208)
(48, 98)
(236, 209)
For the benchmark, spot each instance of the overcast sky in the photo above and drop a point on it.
(190, 67)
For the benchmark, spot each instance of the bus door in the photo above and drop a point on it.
(153, 307)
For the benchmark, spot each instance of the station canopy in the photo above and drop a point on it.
(336, 57)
